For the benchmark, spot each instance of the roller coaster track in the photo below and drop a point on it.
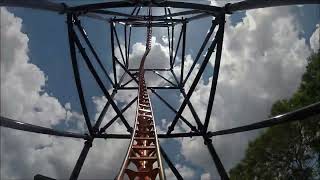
(143, 157)
(143, 151)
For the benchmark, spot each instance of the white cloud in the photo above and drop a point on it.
(67, 106)
(185, 171)
(263, 60)
(158, 57)
(122, 96)
(315, 39)
(205, 176)
(21, 81)
(24, 154)
(165, 40)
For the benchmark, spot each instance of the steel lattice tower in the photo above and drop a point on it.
(144, 150)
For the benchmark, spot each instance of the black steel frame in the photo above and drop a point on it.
(169, 20)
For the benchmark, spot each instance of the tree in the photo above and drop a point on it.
(287, 151)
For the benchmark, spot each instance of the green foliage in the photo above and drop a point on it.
(289, 151)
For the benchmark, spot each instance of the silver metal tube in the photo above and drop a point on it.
(255, 4)
(18, 125)
(45, 5)
(34, 4)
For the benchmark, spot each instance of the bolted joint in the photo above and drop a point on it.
(204, 130)
(87, 137)
(95, 130)
(220, 19)
(101, 131)
(130, 130)
(207, 141)
(170, 129)
(226, 8)
(77, 21)
(194, 128)
(214, 22)
(114, 90)
(65, 8)
(153, 90)
(72, 20)
(88, 143)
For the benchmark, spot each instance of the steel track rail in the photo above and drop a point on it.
(143, 150)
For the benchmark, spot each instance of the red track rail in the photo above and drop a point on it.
(143, 151)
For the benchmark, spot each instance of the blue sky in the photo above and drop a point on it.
(49, 51)
(49, 44)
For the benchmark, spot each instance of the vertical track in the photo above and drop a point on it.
(143, 159)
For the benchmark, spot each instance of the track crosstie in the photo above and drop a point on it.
(143, 151)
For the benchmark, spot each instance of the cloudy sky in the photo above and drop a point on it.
(264, 56)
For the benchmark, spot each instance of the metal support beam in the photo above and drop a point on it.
(144, 25)
(170, 164)
(145, 20)
(177, 48)
(176, 79)
(298, 115)
(198, 76)
(106, 107)
(214, 23)
(99, 82)
(214, 80)
(184, 28)
(172, 4)
(119, 45)
(103, 112)
(114, 13)
(128, 136)
(35, 4)
(172, 41)
(112, 54)
(193, 111)
(172, 45)
(221, 170)
(187, 12)
(124, 85)
(76, 73)
(253, 4)
(85, 36)
(104, 128)
(138, 11)
(134, 10)
(45, 5)
(126, 70)
(76, 170)
(129, 44)
(18, 125)
(152, 69)
(169, 39)
(197, 11)
(157, 73)
(243, 5)
(41, 177)
(126, 45)
(149, 87)
(193, 128)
